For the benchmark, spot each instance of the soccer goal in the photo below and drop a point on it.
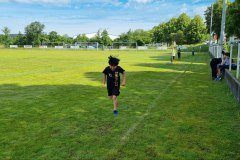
(124, 45)
(156, 46)
(161, 46)
(86, 45)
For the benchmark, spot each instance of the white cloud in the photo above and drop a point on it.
(59, 2)
(113, 2)
(184, 8)
(137, 3)
(196, 1)
(140, 1)
(37, 1)
(200, 11)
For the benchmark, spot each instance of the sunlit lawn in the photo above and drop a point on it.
(52, 106)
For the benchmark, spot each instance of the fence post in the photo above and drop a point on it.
(238, 60)
(213, 53)
(230, 64)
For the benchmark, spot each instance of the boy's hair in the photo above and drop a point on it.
(113, 60)
(227, 54)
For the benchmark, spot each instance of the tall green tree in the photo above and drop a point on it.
(66, 39)
(33, 32)
(141, 36)
(182, 22)
(172, 28)
(125, 37)
(54, 37)
(160, 33)
(105, 39)
(6, 39)
(20, 39)
(44, 38)
(196, 30)
(81, 38)
(233, 19)
(97, 37)
(179, 37)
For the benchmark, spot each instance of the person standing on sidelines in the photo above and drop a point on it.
(179, 53)
(173, 54)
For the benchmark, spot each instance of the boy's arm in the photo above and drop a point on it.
(124, 78)
(104, 79)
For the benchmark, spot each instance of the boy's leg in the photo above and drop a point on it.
(223, 69)
(219, 70)
(115, 102)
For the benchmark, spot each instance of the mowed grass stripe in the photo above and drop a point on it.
(151, 106)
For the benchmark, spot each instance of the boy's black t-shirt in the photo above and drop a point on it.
(113, 77)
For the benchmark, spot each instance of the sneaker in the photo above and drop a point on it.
(115, 112)
(218, 79)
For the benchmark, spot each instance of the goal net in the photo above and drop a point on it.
(124, 45)
(87, 45)
(57, 45)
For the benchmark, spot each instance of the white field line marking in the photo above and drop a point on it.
(125, 137)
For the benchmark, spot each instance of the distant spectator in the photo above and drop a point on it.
(173, 53)
(179, 53)
(224, 65)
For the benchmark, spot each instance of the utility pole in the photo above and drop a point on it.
(222, 34)
(210, 41)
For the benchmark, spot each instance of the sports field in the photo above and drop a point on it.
(53, 106)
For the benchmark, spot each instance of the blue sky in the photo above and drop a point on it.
(74, 17)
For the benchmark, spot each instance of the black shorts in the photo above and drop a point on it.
(113, 92)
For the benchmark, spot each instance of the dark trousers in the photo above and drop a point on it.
(222, 68)
(214, 69)
(179, 55)
(214, 62)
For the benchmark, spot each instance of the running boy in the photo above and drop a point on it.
(112, 75)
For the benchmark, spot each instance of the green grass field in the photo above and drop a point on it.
(52, 106)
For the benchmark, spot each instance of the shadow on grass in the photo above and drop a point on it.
(168, 65)
(45, 120)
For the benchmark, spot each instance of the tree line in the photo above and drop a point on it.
(182, 30)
